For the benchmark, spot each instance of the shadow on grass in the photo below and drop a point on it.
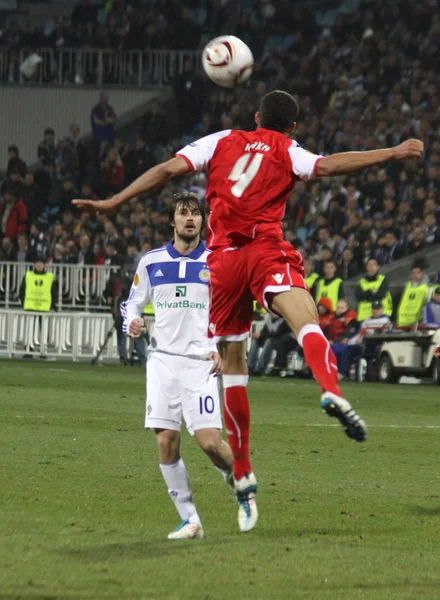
(139, 550)
(425, 510)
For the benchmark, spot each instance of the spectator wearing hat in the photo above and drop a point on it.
(414, 297)
(15, 163)
(372, 286)
(431, 311)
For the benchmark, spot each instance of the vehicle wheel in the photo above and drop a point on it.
(386, 371)
(436, 371)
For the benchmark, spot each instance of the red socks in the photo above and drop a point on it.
(320, 358)
(237, 419)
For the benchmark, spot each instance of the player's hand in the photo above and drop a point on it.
(409, 149)
(137, 326)
(216, 363)
(437, 351)
(103, 207)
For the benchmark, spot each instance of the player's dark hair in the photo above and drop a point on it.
(278, 111)
(186, 200)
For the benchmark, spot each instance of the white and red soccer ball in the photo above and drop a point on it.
(227, 61)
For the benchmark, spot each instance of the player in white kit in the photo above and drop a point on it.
(182, 361)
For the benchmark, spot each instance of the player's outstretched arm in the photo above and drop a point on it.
(349, 162)
(152, 178)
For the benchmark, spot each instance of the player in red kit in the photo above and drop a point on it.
(250, 177)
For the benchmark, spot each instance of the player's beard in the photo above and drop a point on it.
(187, 236)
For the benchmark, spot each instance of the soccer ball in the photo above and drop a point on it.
(227, 61)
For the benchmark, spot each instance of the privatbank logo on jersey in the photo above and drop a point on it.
(204, 275)
(278, 277)
(180, 291)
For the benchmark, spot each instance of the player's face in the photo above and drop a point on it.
(187, 222)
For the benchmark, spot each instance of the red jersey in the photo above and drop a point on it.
(250, 177)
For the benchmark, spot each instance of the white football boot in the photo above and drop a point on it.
(187, 531)
(353, 425)
(245, 489)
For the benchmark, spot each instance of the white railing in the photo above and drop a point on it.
(96, 66)
(79, 287)
(69, 336)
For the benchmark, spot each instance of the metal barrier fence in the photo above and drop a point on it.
(95, 66)
(79, 287)
(69, 336)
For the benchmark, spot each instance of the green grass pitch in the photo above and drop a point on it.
(84, 512)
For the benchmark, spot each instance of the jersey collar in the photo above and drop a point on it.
(196, 253)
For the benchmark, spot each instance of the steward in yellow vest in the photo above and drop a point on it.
(372, 286)
(329, 286)
(311, 277)
(149, 309)
(37, 290)
(414, 297)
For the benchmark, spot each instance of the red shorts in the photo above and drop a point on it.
(238, 275)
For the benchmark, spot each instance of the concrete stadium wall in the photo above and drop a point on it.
(25, 111)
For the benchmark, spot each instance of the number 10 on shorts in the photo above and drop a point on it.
(206, 405)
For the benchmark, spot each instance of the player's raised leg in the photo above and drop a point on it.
(237, 419)
(298, 308)
(176, 478)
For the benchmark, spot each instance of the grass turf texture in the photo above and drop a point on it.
(84, 511)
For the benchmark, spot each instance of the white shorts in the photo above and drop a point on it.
(178, 386)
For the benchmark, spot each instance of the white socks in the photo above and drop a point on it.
(176, 478)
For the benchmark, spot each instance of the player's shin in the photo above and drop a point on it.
(320, 358)
(237, 419)
(177, 481)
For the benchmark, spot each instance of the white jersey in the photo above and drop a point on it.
(177, 285)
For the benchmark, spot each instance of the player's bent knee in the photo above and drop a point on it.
(209, 440)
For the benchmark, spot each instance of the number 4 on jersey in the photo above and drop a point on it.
(244, 172)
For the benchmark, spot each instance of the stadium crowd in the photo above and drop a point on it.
(361, 84)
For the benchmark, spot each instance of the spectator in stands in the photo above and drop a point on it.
(391, 249)
(103, 120)
(325, 314)
(431, 311)
(37, 241)
(71, 255)
(24, 253)
(86, 255)
(373, 286)
(113, 173)
(32, 197)
(414, 297)
(330, 286)
(431, 229)
(112, 258)
(417, 240)
(67, 161)
(348, 266)
(342, 327)
(155, 126)
(46, 151)
(13, 214)
(84, 12)
(267, 340)
(188, 91)
(15, 163)
(7, 251)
